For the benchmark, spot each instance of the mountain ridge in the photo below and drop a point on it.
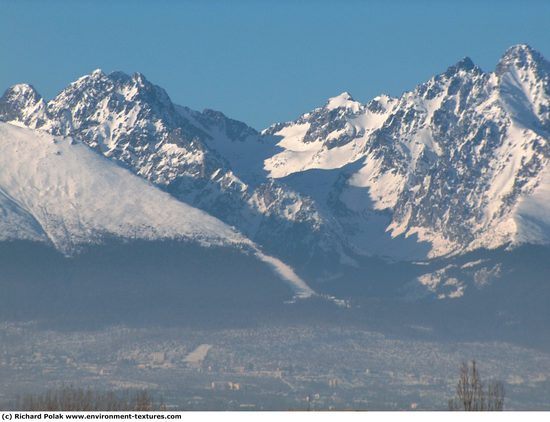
(420, 141)
(457, 163)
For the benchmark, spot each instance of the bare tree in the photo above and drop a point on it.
(473, 395)
(495, 396)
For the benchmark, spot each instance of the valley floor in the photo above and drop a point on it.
(271, 367)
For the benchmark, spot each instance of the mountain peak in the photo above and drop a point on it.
(520, 56)
(120, 76)
(139, 78)
(97, 73)
(17, 101)
(344, 100)
(519, 50)
(465, 64)
(25, 92)
(93, 77)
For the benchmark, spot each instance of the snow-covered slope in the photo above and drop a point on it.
(328, 137)
(58, 190)
(77, 196)
(458, 163)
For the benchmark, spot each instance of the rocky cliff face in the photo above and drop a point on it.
(460, 162)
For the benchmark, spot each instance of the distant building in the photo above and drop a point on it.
(225, 385)
(158, 358)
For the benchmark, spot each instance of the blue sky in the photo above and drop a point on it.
(261, 61)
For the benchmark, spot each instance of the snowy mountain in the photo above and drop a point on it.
(58, 191)
(457, 164)
(204, 159)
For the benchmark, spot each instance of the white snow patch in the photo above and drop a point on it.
(198, 355)
(301, 289)
(384, 186)
(344, 100)
(532, 213)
